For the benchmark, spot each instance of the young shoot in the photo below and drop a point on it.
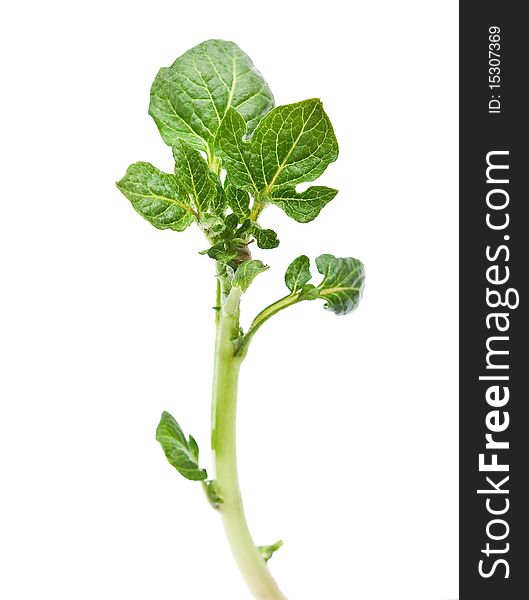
(235, 154)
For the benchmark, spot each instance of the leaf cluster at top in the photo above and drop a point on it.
(234, 152)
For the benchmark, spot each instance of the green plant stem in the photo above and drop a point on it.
(223, 441)
(258, 206)
(262, 317)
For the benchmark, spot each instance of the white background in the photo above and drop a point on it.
(347, 427)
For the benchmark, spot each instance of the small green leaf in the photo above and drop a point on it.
(239, 202)
(230, 223)
(221, 253)
(182, 454)
(193, 175)
(247, 272)
(213, 224)
(310, 292)
(190, 98)
(223, 256)
(266, 238)
(298, 273)
(342, 284)
(268, 551)
(212, 493)
(304, 206)
(245, 228)
(156, 196)
(235, 153)
(219, 201)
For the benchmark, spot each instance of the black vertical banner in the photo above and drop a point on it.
(494, 331)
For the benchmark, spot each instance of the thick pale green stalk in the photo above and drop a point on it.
(224, 412)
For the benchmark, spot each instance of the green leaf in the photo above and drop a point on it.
(268, 551)
(304, 206)
(342, 284)
(190, 98)
(266, 238)
(298, 273)
(239, 202)
(219, 252)
(219, 201)
(235, 153)
(247, 272)
(310, 292)
(213, 224)
(231, 223)
(193, 174)
(156, 196)
(245, 228)
(293, 144)
(182, 454)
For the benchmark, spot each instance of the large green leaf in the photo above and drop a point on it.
(181, 453)
(193, 175)
(156, 196)
(292, 144)
(190, 98)
(342, 283)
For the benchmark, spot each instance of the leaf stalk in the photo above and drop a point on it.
(262, 317)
